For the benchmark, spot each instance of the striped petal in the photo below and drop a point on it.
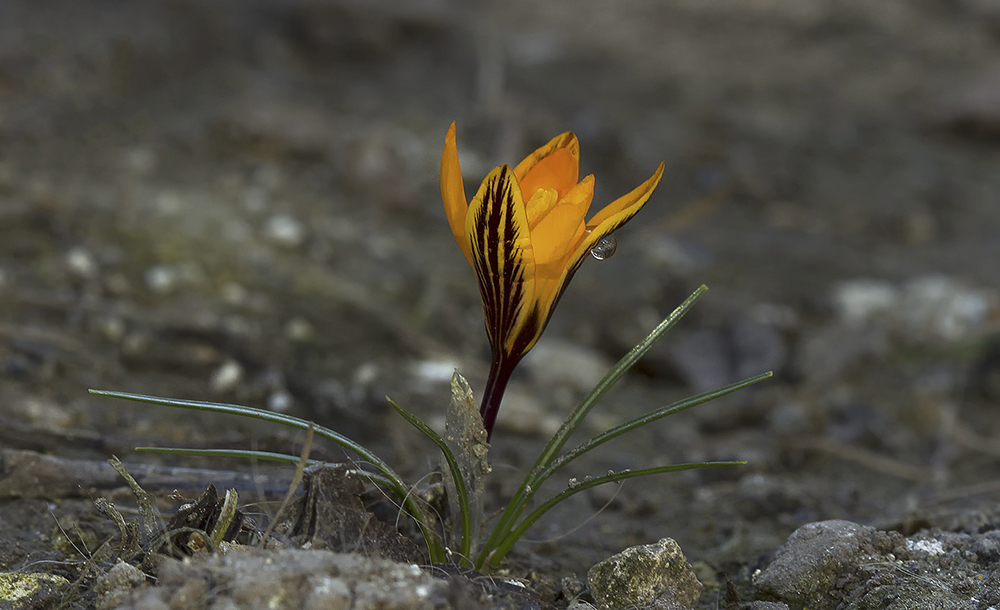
(496, 228)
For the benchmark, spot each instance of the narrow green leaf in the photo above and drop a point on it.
(556, 443)
(394, 482)
(508, 541)
(638, 422)
(456, 473)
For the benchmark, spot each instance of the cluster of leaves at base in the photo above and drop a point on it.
(464, 456)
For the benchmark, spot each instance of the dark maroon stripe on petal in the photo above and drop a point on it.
(498, 260)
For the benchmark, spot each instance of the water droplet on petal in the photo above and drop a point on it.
(604, 247)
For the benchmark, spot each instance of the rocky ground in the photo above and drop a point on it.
(238, 202)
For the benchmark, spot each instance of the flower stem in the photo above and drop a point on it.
(500, 370)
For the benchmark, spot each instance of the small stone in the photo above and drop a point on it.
(928, 547)
(226, 377)
(939, 307)
(114, 586)
(652, 577)
(435, 371)
(328, 593)
(299, 330)
(524, 413)
(857, 301)
(563, 363)
(36, 590)
(113, 328)
(280, 401)
(233, 293)
(366, 374)
(285, 230)
(81, 262)
(161, 279)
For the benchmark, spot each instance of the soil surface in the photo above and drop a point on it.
(238, 202)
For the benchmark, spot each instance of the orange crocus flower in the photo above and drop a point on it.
(525, 235)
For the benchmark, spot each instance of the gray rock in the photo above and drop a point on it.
(113, 586)
(293, 580)
(652, 577)
(839, 564)
(806, 570)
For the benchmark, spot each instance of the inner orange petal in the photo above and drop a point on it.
(560, 170)
(556, 234)
(540, 204)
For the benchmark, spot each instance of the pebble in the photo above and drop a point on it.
(226, 377)
(233, 293)
(653, 576)
(81, 263)
(164, 279)
(562, 363)
(840, 564)
(116, 584)
(523, 413)
(925, 308)
(292, 580)
(160, 279)
(937, 306)
(113, 328)
(435, 371)
(35, 590)
(299, 330)
(285, 230)
(280, 401)
(860, 300)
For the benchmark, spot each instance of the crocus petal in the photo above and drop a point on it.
(496, 228)
(453, 191)
(555, 235)
(549, 290)
(619, 211)
(555, 165)
(540, 204)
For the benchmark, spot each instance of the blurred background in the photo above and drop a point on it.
(239, 202)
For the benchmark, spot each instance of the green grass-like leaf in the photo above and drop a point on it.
(456, 473)
(508, 529)
(394, 482)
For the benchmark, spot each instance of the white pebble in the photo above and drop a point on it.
(439, 371)
(284, 230)
(860, 300)
(226, 377)
(280, 401)
(161, 279)
(81, 262)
